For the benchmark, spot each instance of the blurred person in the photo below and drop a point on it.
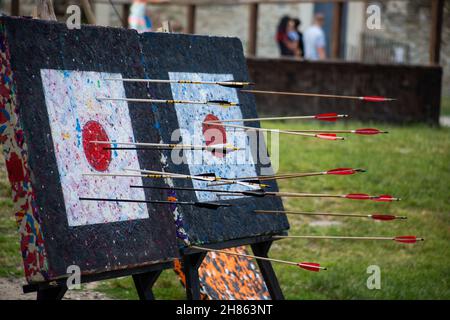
(299, 37)
(314, 39)
(138, 18)
(287, 38)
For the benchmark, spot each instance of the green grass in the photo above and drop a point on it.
(412, 162)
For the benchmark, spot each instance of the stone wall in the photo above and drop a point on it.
(416, 88)
(409, 22)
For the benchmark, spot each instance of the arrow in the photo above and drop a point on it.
(365, 131)
(402, 239)
(221, 103)
(326, 136)
(204, 177)
(263, 193)
(207, 205)
(310, 266)
(332, 117)
(165, 146)
(382, 217)
(362, 98)
(338, 171)
(210, 177)
(353, 196)
(228, 83)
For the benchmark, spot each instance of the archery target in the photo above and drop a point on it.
(193, 131)
(76, 118)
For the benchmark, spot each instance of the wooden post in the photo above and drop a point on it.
(437, 12)
(191, 13)
(253, 29)
(125, 14)
(338, 10)
(88, 12)
(15, 8)
(44, 10)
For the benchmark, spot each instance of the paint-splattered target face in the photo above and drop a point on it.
(98, 156)
(214, 133)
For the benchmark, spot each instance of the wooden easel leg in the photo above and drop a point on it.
(56, 293)
(191, 263)
(144, 283)
(262, 249)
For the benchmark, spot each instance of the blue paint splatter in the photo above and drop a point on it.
(78, 128)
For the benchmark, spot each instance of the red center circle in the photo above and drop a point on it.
(214, 133)
(96, 154)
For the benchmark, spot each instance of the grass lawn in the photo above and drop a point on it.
(412, 162)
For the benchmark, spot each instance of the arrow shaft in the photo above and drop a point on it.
(302, 195)
(335, 237)
(150, 175)
(273, 177)
(209, 179)
(303, 94)
(314, 213)
(276, 118)
(325, 131)
(237, 83)
(167, 145)
(271, 130)
(174, 175)
(182, 189)
(138, 201)
(320, 95)
(244, 255)
(156, 101)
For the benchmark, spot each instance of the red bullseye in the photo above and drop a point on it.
(214, 133)
(95, 153)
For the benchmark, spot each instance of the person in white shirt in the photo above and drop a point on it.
(314, 39)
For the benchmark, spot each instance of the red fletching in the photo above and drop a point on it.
(327, 136)
(332, 117)
(358, 196)
(310, 266)
(385, 198)
(406, 239)
(342, 171)
(374, 99)
(367, 131)
(384, 217)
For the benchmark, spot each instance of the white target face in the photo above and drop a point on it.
(76, 117)
(193, 131)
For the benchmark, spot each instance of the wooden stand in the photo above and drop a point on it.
(192, 259)
(144, 278)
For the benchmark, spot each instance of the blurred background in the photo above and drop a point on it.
(398, 49)
(371, 47)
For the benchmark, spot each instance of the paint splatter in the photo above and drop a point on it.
(73, 107)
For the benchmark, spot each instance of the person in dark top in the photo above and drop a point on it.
(287, 46)
(301, 47)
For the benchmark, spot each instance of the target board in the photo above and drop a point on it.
(209, 58)
(50, 113)
(51, 77)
